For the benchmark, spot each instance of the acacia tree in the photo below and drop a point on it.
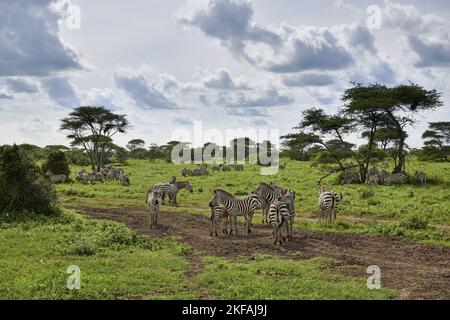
(398, 105)
(93, 129)
(437, 141)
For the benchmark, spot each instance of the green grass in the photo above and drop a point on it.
(369, 204)
(114, 261)
(270, 278)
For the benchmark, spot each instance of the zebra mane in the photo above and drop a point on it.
(223, 191)
(265, 185)
(181, 183)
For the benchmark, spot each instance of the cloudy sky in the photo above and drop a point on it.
(228, 63)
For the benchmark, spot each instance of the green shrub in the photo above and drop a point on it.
(22, 188)
(83, 247)
(57, 163)
(415, 222)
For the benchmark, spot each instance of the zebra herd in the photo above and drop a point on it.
(106, 174)
(375, 176)
(276, 204)
(202, 170)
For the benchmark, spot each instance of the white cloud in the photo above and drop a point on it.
(61, 92)
(30, 42)
(308, 80)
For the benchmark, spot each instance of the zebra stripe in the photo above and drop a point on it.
(269, 195)
(278, 215)
(288, 199)
(153, 202)
(219, 212)
(328, 204)
(245, 206)
(171, 190)
(397, 177)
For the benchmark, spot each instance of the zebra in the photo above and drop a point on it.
(238, 167)
(200, 171)
(383, 175)
(219, 212)
(186, 172)
(397, 177)
(350, 177)
(420, 177)
(153, 201)
(269, 195)
(226, 168)
(216, 168)
(278, 189)
(328, 203)
(124, 180)
(56, 178)
(172, 180)
(373, 179)
(245, 206)
(278, 213)
(171, 190)
(288, 199)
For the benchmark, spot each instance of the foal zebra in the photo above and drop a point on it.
(245, 206)
(328, 204)
(219, 212)
(269, 195)
(171, 190)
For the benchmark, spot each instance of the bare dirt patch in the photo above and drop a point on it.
(417, 271)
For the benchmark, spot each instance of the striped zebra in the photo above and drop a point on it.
(269, 195)
(219, 212)
(288, 199)
(172, 180)
(328, 204)
(397, 178)
(278, 215)
(278, 189)
(153, 201)
(421, 177)
(171, 190)
(56, 178)
(245, 207)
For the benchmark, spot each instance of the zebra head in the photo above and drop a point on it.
(338, 197)
(188, 187)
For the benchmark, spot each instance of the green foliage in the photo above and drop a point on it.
(22, 187)
(437, 142)
(415, 222)
(57, 163)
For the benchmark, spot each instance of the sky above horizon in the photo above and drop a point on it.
(227, 63)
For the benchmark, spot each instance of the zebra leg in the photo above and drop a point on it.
(163, 198)
(235, 224)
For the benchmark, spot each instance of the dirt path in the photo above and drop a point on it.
(417, 271)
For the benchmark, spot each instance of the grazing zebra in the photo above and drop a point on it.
(269, 195)
(186, 172)
(373, 179)
(216, 168)
(82, 176)
(278, 213)
(282, 166)
(124, 180)
(171, 190)
(219, 212)
(245, 206)
(238, 167)
(153, 201)
(397, 177)
(420, 177)
(56, 178)
(383, 175)
(350, 178)
(226, 168)
(200, 171)
(328, 204)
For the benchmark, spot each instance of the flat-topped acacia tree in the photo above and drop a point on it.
(93, 129)
(395, 107)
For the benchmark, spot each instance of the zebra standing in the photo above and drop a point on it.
(171, 190)
(328, 203)
(269, 195)
(245, 206)
(219, 212)
(397, 177)
(56, 178)
(278, 213)
(421, 177)
(153, 201)
(288, 199)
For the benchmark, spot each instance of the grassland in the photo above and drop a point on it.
(391, 210)
(118, 263)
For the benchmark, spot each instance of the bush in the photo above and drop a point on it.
(22, 188)
(415, 222)
(56, 163)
